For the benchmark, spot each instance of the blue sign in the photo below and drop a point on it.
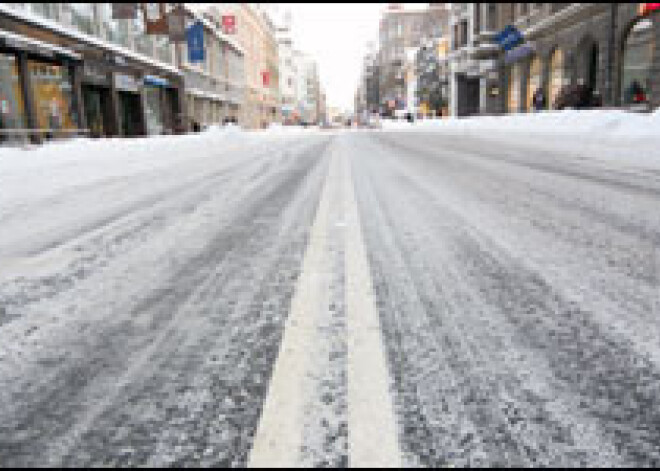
(155, 81)
(509, 37)
(195, 40)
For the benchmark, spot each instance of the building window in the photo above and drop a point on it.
(463, 33)
(491, 18)
(637, 60)
(153, 110)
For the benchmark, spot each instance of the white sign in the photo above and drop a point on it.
(126, 83)
(153, 11)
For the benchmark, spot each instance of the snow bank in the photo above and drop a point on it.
(609, 134)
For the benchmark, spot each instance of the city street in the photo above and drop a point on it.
(329, 298)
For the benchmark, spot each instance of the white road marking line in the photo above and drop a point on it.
(279, 438)
(372, 429)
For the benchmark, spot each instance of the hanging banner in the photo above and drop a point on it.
(646, 8)
(229, 24)
(266, 78)
(176, 25)
(124, 11)
(195, 39)
(155, 18)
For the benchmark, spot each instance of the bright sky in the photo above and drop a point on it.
(336, 35)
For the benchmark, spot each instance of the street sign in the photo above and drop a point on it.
(124, 11)
(646, 8)
(229, 24)
(509, 37)
(155, 19)
(195, 39)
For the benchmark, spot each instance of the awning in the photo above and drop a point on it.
(18, 41)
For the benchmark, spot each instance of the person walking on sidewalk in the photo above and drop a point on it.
(538, 100)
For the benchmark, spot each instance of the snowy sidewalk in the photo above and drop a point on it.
(602, 134)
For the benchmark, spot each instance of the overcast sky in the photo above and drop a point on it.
(336, 35)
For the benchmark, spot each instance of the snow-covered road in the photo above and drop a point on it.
(443, 300)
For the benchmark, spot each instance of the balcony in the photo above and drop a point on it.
(484, 50)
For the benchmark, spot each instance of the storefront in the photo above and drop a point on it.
(129, 104)
(12, 105)
(159, 105)
(637, 64)
(37, 93)
(97, 102)
(52, 92)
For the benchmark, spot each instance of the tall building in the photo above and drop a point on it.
(255, 33)
(215, 86)
(402, 29)
(307, 87)
(287, 66)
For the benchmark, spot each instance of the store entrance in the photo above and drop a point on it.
(98, 112)
(130, 114)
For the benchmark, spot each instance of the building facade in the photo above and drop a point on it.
(288, 76)
(72, 69)
(401, 29)
(607, 50)
(256, 35)
(214, 87)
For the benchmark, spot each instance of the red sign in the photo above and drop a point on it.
(266, 78)
(229, 24)
(645, 8)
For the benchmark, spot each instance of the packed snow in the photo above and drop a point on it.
(605, 134)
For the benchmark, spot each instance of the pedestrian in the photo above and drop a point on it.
(539, 99)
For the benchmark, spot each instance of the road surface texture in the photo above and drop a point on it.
(336, 299)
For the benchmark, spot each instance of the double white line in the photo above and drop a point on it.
(372, 430)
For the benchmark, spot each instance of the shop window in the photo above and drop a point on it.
(12, 109)
(637, 60)
(153, 110)
(556, 75)
(53, 97)
(514, 89)
(534, 82)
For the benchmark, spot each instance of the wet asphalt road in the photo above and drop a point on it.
(517, 294)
